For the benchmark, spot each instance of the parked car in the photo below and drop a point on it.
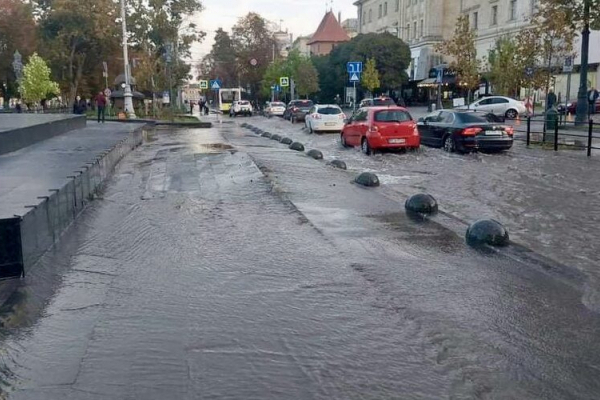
(571, 107)
(463, 132)
(297, 110)
(373, 128)
(377, 102)
(275, 108)
(498, 105)
(240, 107)
(325, 118)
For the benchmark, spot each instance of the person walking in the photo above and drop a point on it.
(101, 106)
(79, 106)
(593, 95)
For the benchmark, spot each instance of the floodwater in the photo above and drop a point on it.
(549, 201)
(218, 264)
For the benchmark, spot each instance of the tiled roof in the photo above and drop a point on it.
(329, 30)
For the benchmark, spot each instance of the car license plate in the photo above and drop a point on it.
(396, 141)
(329, 123)
(493, 133)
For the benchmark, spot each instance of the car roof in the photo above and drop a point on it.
(327, 105)
(390, 107)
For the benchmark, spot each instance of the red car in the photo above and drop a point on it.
(375, 128)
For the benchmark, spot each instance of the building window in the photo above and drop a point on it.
(475, 20)
(379, 13)
(494, 15)
(385, 9)
(397, 5)
(414, 30)
(421, 29)
(512, 10)
(370, 15)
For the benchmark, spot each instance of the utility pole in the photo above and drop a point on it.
(127, 95)
(582, 101)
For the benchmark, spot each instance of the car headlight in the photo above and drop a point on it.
(569, 104)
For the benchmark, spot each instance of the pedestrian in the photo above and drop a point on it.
(101, 105)
(593, 95)
(191, 107)
(551, 99)
(79, 106)
(18, 108)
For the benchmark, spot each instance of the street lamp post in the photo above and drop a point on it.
(127, 95)
(582, 101)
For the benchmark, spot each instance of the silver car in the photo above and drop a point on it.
(497, 105)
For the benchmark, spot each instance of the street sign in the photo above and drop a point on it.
(354, 77)
(203, 84)
(284, 81)
(107, 92)
(354, 67)
(529, 72)
(253, 62)
(215, 84)
(568, 65)
(277, 88)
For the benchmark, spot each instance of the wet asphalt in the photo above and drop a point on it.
(218, 264)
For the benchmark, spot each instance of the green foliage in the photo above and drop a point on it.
(296, 67)
(17, 32)
(506, 67)
(461, 47)
(573, 11)
(370, 77)
(306, 78)
(36, 84)
(391, 54)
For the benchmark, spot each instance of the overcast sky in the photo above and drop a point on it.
(300, 17)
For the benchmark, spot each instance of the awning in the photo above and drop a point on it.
(429, 82)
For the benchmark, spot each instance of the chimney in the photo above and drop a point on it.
(340, 17)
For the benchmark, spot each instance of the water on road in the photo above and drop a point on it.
(218, 264)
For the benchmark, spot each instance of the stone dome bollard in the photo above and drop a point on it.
(266, 135)
(487, 231)
(367, 179)
(297, 146)
(421, 203)
(276, 137)
(338, 164)
(316, 154)
(286, 140)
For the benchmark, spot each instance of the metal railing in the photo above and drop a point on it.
(553, 130)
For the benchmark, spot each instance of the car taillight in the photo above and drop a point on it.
(373, 128)
(294, 109)
(471, 131)
(415, 131)
(509, 130)
(316, 116)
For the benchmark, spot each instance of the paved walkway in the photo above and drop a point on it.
(32, 171)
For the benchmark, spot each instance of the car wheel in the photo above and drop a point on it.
(364, 146)
(343, 140)
(511, 114)
(449, 144)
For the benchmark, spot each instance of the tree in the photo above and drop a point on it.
(573, 9)
(461, 47)
(17, 33)
(255, 47)
(77, 39)
(306, 78)
(370, 78)
(36, 84)
(221, 62)
(391, 54)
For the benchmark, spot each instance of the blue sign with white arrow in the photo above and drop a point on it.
(355, 77)
(215, 84)
(354, 67)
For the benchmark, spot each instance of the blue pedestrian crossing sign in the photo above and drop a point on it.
(215, 84)
(354, 67)
(354, 77)
(276, 88)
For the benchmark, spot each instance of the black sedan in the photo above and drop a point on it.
(464, 131)
(297, 110)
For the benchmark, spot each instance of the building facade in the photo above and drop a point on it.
(422, 24)
(328, 35)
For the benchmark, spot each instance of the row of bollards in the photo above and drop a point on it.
(482, 232)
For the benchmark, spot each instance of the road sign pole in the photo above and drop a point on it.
(355, 97)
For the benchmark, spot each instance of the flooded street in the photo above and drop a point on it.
(219, 264)
(549, 201)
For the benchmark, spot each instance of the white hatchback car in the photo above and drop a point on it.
(498, 105)
(242, 107)
(325, 118)
(276, 108)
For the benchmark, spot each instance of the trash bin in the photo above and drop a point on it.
(552, 119)
(432, 107)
